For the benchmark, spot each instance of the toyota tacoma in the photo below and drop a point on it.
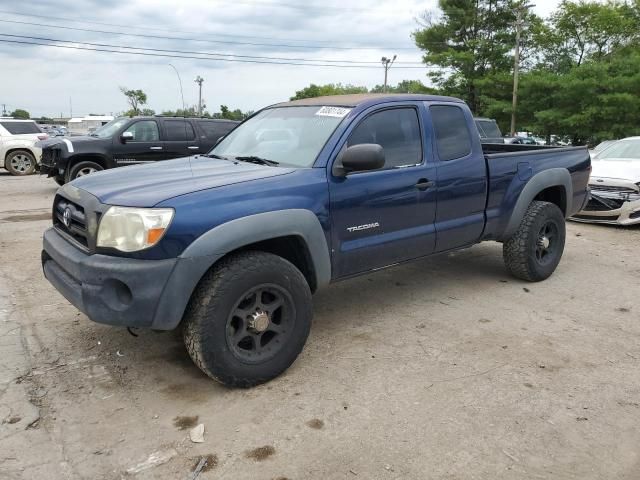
(230, 245)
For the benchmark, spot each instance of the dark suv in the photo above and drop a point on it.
(129, 141)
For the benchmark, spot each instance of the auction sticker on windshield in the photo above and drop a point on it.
(333, 112)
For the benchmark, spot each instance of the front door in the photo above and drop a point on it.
(180, 139)
(384, 216)
(144, 147)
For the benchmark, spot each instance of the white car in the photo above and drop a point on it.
(18, 153)
(615, 185)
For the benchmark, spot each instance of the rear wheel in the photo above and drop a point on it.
(248, 319)
(535, 249)
(20, 162)
(83, 168)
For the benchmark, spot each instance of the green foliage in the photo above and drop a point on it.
(405, 86)
(595, 101)
(135, 98)
(579, 69)
(471, 40)
(314, 90)
(20, 113)
(229, 114)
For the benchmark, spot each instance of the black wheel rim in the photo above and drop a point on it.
(260, 323)
(547, 242)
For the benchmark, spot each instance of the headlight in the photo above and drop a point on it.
(131, 229)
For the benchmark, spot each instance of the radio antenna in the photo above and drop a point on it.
(181, 94)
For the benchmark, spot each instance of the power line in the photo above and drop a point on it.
(167, 55)
(191, 52)
(227, 42)
(235, 35)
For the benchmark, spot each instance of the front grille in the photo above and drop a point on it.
(50, 156)
(608, 218)
(76, 224)
(612, 189)
(601, 204)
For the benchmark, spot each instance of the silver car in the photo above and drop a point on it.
(615, 185)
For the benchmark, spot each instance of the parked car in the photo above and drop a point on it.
(520, 140)
(129, 141)
(601, 146)
(18, 152)
(489, 130)
(615, 185)
(231, 245)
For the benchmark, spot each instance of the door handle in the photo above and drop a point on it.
(155, 148)
(424, 184)
(193, 147)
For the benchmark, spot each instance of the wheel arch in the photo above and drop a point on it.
(552, 185)
(295, 235)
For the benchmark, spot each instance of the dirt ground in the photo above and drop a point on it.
(446, 368)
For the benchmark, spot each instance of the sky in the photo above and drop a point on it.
(53, 81)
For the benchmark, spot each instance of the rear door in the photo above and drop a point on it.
(384, 216)
(213, 130)
(146, 145)
(180, 138)
(461, 178)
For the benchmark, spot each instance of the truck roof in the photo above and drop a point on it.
(361, 98)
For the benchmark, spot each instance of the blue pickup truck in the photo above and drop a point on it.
(231, 245)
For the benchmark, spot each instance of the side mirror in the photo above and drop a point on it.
(126, 136)
(360, 158)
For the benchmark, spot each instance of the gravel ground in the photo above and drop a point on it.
(445, 368)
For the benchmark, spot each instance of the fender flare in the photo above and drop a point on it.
(553, 177)
(207, 249)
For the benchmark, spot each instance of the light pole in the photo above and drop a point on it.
(199, 81)
(184, 112)
(386, 63)
(520, 9)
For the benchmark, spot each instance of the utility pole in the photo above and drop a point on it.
(386, 63)
(520, 9)
(4, 109)
(70, 109)
(199, 81)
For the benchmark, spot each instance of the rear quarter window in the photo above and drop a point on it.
(215, 130)
(453, 139)
(21, 128)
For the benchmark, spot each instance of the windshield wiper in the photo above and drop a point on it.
(258, 160)
(213, 155)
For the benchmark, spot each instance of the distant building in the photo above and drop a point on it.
(84, 125)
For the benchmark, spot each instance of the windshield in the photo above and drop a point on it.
(109, 129)
(623, 150)
(291, 136)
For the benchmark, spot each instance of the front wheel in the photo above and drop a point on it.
(20, 162)
(248, 319)
(535, 249)
(81, 169)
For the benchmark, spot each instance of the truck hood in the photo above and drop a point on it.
(623, 169)
(71, 143)
(148, 185)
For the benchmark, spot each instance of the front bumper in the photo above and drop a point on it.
(110, 290)
(627, 214)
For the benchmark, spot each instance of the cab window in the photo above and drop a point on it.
(397, 131)
(144, 131)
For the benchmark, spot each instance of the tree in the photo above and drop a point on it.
(582, 31)
(135, 98)
(405, 86)
(594, 101)
(471, 42)
(19, 113)
(314, 90)
(236, 114)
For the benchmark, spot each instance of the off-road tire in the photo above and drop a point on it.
(520, 251)
(79, 169)
(206, 320)
(20, 163)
